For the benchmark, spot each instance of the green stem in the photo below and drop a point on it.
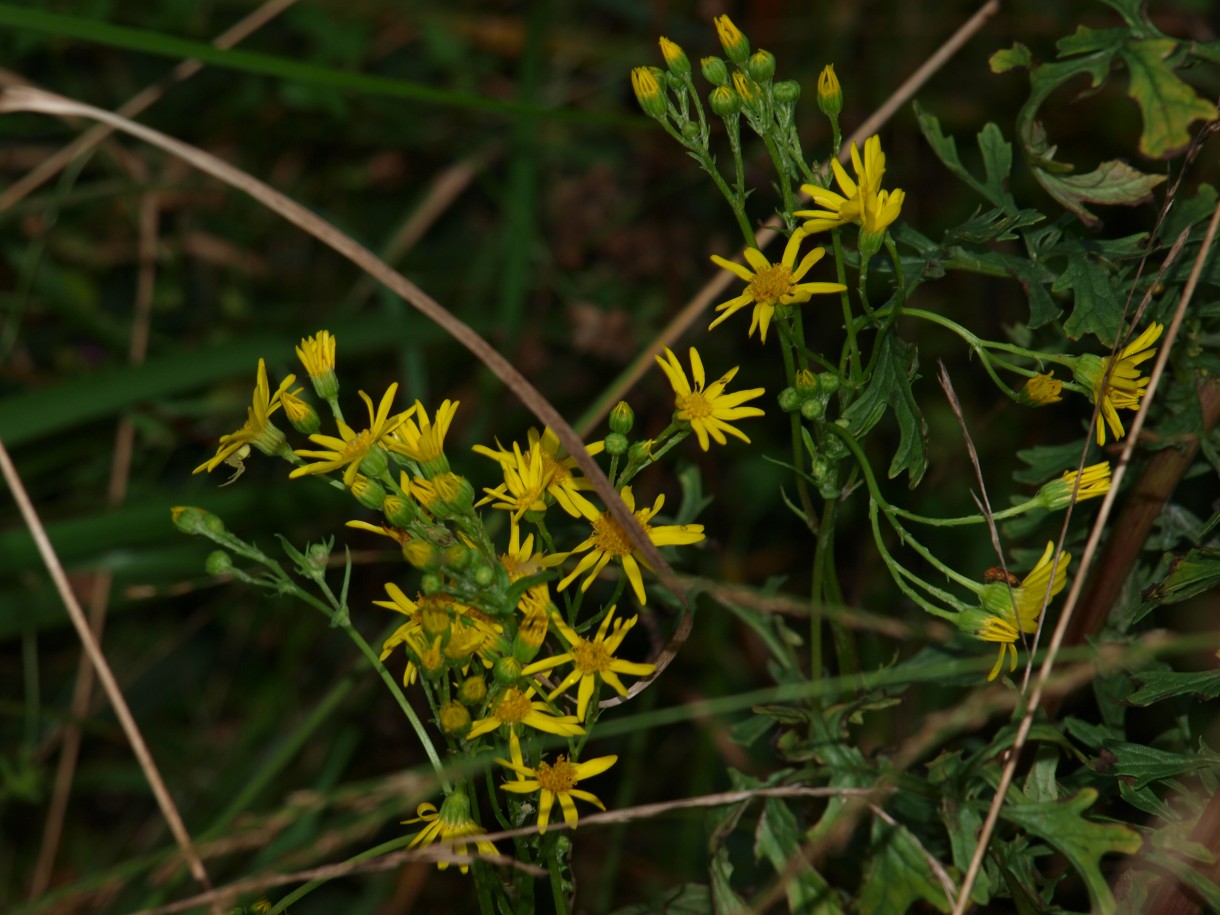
(798, 451)
(900, 574)
(555, 866)
(851, 349)
(779, 160)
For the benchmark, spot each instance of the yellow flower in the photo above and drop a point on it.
(1009, 610)
(592, 660)
(452, 826)
(708, 410)
(515, 707)
(1094, 481)
(258, 430)
(1042, 390)
(862, 201)
(772, 284)
(1124, 389)
(353, 448)
(424, 442)
(317, 354)
(556, 780)
(557, 474)
(609, 541)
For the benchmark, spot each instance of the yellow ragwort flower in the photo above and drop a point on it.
(317, 354)
(452, 826)
(861, 199)
(1124, 389)
(609, 541)
(771, 285)
(257, 430)
(352, 448)
(1010, 610)
(557, 473)
(1094, 482)
(424, 441)
(592, 660)
(516, 707)
(709, 410)
(556, 780)
(830, 93)
(735, 44)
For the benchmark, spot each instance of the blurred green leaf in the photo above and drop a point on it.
(1169, 105)
(898, 875)
(1148, 764)
(1159, 685)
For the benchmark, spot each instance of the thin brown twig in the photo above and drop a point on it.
(132, 730)
(137, 104)
(720, 281)
(1090, 550)
(99, 593)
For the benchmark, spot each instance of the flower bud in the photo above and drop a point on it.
(789, 400)
(398, 511)
(724, 102)
(431, 583)
(640, 452)
(192, 520)
(761, 66)
(828, 382)
(375, 462)
(368, 492)
(812, 408)
(454, 719)
(675, 58)
(472, 691)
(318, 555)
(507, 670)
(714, 70)
(830, 93)
(483, 574)
(786, 92)
(218, 563)
(301, 414)
(806, 383)
(646, 83)
(690, 132)
(747, 90)
(622, 418)
(617, 444)
(735, 44)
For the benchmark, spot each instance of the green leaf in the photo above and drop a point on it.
(724, 900)
(1147, 764)
(898, 874)
(963, 822)
(1086, 41)
(1096, 308)
(779, 840)
(684, 899)
(997, 159)
(890, 386)
(1158, 685)
(1191, 574)
(1169, 106)
(1018, 57)
(1061, 824)
(1111, 183)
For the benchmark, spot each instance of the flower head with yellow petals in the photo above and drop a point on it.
(257, 430)
(709, 410)
(1124, 387)
(772, 285)
(451, 826)
(423, 441)
(351, 449)
(609, 541)
(556, 780)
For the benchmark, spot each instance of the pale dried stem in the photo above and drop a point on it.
(715, 287)
(138, 103)
(1086, 560)
(132, 731)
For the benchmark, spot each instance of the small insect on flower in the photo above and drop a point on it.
(237, 460)
(995, 573)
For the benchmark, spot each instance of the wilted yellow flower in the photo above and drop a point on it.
(257, 430)
(317, 354)
(1042, 390)
(861, 199)
(452, 826)
(1094, 481)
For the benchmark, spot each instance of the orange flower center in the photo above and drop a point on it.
(513, 707)
(771, 284)
(357, 448)
(609, 537)
(694, 405)
(558, 776)
(591, 657)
